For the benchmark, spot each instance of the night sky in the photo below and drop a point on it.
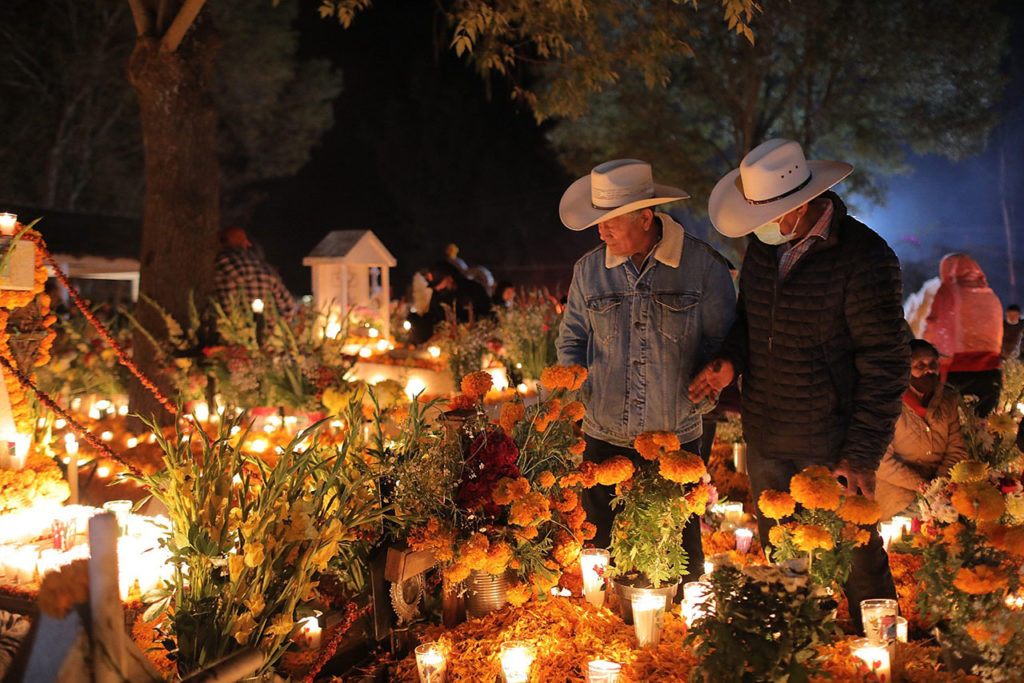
(423, 157)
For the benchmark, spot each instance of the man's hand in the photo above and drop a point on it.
(857, 479)
(710, 381)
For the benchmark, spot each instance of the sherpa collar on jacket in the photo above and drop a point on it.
(669, 250)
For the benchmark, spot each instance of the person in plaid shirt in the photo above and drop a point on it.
(239, 268)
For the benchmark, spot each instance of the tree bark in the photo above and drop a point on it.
(181, 209)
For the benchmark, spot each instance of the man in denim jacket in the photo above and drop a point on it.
(644, 311)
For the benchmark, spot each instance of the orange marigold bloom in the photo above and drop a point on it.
(978, 501)
(573, 411)
(681, 467)
(588, 474)
(575, 518)
(987, 632)
(578, 447)
(950, 536)
(1008, 539)
(456, 573)
(473, 551)
(476, 384)
(518, 593)
(776, 504)
(697, 499)
(653, 445)
(777, 534)
(61, 590)
(546, 479)
(530, 509)
(566, 550)
(461, 402)
(980, 580)
(568, 501)
(816, 487)
(614, 470)
(856, 535)
(546, 414)
(511, 412)
(498, 557)
(807, 538)
(557, 377)
(508, 490)
(526, 533)
(587, 531)
(859, 510)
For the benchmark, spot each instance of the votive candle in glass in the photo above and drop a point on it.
(431, 663)
(878, 617)
(732, 511)
(648, 617)
(602, 671)
(593, 564)
(516, 660)
(872, 660)
(903, 523)
(888, 531)
(8, 222)
(696, 594)
(744, 538)
(308, 636)
(121, 509)
(901, 629)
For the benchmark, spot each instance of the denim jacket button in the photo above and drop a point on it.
(638, 324)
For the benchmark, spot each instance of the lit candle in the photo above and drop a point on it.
(257, 306)
(888, 531)
(415, 387)
(516, 659)
(131, 442)
(601, 671)
(709, 567)
(902, 524)
(121, 509)
(107, 435)
(901, 629)
(406, 325)
(873, 660)
(434, 351)
(382, 345)
(308, 636)
(744, 537)
(94, 413)
(8, 222)
(648, 617)
(365, 352)
(431, 663)
(878, 616)
(373, 332)
(733, 512)
(695, 596)
(593, 564)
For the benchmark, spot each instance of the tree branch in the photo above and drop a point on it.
(186, 16)
(143, 19)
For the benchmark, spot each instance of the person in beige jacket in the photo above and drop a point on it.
(928, 439)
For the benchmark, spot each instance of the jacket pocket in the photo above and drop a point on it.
(674, 314)
(604, 317)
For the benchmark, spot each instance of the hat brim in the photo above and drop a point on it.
(577, 212)
(732, 216)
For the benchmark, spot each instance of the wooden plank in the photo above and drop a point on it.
(403, 564)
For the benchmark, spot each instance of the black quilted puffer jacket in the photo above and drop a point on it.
(823, 353)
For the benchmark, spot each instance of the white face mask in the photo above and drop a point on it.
(771, 233)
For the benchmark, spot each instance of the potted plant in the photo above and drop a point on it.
(653, 502)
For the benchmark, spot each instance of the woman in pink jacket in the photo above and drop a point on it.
(966, 325)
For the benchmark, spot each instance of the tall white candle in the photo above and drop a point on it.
(516, 660)
(593, 563)
(873, 660)
(431, 663)
(648, 617)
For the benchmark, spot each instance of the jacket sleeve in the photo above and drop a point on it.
(718, 309)
(894, 471)
(881, 354)
(956, 449)
(574, 332)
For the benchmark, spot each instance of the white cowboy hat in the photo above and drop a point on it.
(772, 180)
(612, 189)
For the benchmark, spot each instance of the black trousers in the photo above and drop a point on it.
(597, 502)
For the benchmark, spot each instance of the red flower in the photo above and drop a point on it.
(492, 455)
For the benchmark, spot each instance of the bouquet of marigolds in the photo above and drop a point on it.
(991, 439)
(973, 548)
(826, 527)
(249, 541)
(528, 331)
(653, 502)
(497, 497)
(761, 623)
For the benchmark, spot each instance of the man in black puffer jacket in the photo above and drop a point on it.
(819, 336)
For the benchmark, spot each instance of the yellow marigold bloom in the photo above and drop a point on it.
(546, 479)
(511, 412)
(978, 501)
(476, 384)
(573, 411)
(777, 534)
(816, 487)
(1002, 423)
(456, 573)
(566, 550)
(980, 580)
(473, 551)
(856, 535)
(518, 593)
(859, 510)
(546, 414)
(808, 538)
(530, 510)
(652, 445)
(614, 470)
(681, 467)
(568, 501)
(578, 447)
(776, 504)
(508, 490)
(697, 499)
(968, 471)
(498, 557)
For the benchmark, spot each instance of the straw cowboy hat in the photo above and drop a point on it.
(772, 180)
(612, 189)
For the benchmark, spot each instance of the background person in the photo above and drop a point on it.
(1013, 330)
(238, 267)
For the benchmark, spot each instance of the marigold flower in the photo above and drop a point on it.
(777, 534)
(461, 402)
(568, 377)
(978, 501)
(1002, 423)
(498, 557)
(968, 471)
(985, 632)
(587, 531)
(816, 487)
(476, 384)
(652, 445)
(573, 411)
(1008, 539)
(681, 467)
(588, 474)
(546, 479)
(511, 412)
(808, 538)
(473, 551)
(508, 490)
(856, 535)
(578, 447)
(566, 550)
(980, 580)
(614, 470)
(526, 533)
(575, 518)
(697, 499)
(61, 590)
(776, 504)
(567, 501)
(859, 510)
(530, 509)
(456, 573)
(518, 593)
(950, 536)
(546, 414)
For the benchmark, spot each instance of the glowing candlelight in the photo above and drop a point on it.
(373, 332)
(602, 671)
(593, 564)
(102, 471)
(431, 663)
(732, 511)
(744, 537)
(60, 423)
(902, 524)
(878, 617)
(365, 352)
(874, 660)
(901, 629)
(107, 435)
(121, 510)
(257, 306)
(258, 445)
(709, 567)
(888, 531)
(308, 637)
(94, 413)
(434, 351)
(415, 387)
(406, 325)
(382, 345)
(131, 442)
(8, 221)
(522, 388)
(516, 659)
(648, 617)
(696, 595)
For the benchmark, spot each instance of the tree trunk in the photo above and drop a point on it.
(181, 210)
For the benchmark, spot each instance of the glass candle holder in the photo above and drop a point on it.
(732, 512)
(431, 663)
(744, 539)
(889, 531)
(878, 617)
(872, 660)
(903, 524)
(602, 671)
(121, 510)
(901, 629)
(309, 633)
(648, 617)
(63, 531)
(593, 564)
(516, 660)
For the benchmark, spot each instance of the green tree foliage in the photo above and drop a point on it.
(855, 81)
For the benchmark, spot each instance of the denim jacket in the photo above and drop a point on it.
(643, 334)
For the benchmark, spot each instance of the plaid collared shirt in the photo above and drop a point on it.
(242, 270)
(790, 253)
